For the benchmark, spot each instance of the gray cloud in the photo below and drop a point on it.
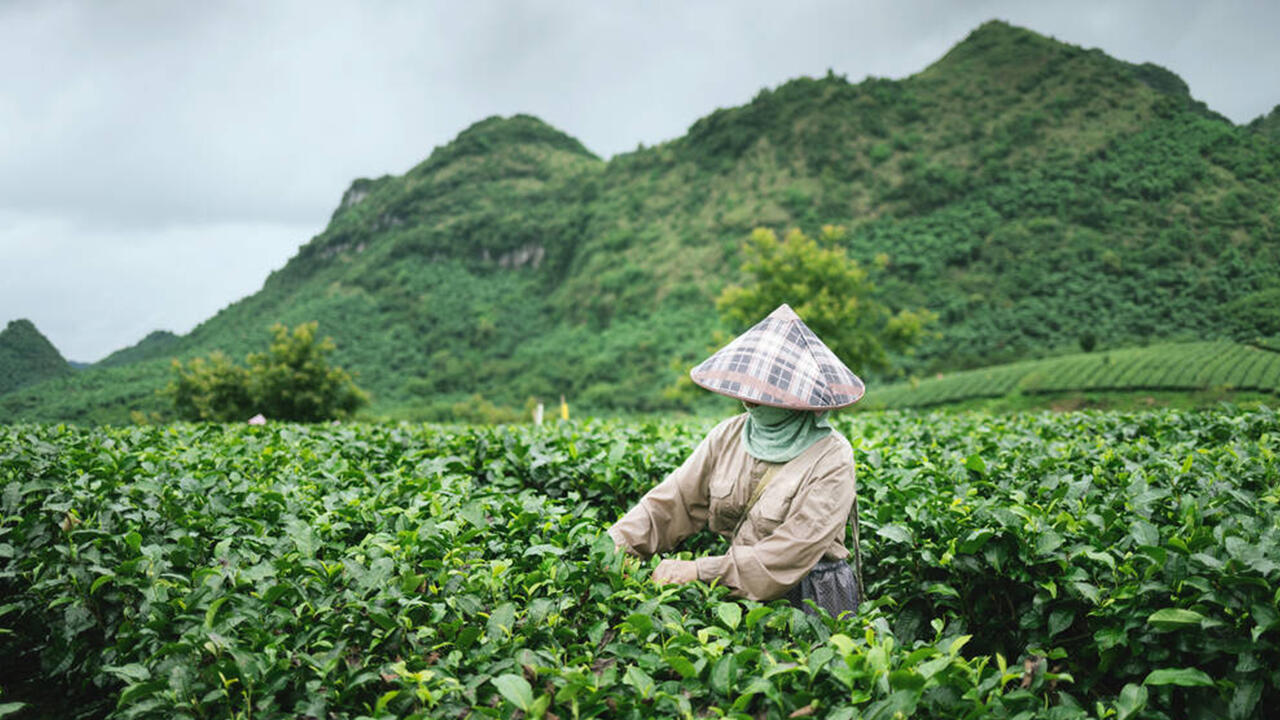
(95, 290)
(137, 127)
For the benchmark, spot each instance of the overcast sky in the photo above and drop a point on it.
(159, 159)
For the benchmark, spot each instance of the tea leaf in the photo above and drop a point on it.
(1186, 677)
(730, 614)
(1174, 618)
(516, 690)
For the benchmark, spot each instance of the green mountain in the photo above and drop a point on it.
(1030, 192)
(157, 344)
(27, 357)
(1268, 125)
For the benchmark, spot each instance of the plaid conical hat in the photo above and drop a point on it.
(780, 362)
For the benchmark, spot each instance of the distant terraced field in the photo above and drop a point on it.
(1198, 366)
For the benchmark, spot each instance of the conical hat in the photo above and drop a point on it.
(780, 362)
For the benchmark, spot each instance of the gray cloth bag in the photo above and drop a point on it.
(831, 584)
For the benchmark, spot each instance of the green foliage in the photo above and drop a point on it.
(492, 133)
(292, 380)
(1256, 313)
(1161, 79)
(1070, 566)
(100, 395)
(212, 388)
(1088, 341)
(478, 410)
(1268, 125)
(830, 292)
(157, 344)
(1131, 584)
(1187, 367)
(1024, 190)
(27, 357)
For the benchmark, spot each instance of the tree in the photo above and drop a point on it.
(212, 388)
(831, 292)
(292, 380)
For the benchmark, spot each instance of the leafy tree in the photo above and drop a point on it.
(292, 380)
(212, 388)
(829, 290)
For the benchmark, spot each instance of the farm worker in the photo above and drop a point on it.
(776, 481)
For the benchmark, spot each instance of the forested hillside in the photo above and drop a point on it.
(1036, 195)
(1268, 124)
(27, 357)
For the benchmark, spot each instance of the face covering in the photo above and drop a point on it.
(778, 435)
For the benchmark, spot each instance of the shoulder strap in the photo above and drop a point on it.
(755, 496)
(857, 549)
(760, 486)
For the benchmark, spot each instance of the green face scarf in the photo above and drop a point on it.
(778, 435)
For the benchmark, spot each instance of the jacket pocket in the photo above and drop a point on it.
(724, 512)
(769, 512)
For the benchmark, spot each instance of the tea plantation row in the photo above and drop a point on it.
(1072, 566)
(1173, 366)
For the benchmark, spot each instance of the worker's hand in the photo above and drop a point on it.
(675, 571)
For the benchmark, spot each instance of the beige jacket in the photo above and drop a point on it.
(799, 519)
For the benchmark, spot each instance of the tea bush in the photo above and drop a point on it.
(1166, 367)
(1071, 566)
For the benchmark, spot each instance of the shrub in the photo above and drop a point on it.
(292, 380)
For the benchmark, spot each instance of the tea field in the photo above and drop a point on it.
(1179, 367)
(1085, 565)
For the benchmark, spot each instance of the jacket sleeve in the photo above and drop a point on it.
(674, 509)
(816, 517)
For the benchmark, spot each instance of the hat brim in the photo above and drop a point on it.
(765, 394)
(781, 363)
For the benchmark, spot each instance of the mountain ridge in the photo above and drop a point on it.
(1025, 189)
(1267, 124)
(27, 357)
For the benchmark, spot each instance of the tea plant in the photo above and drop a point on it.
(1166, 367)
(1084, 565)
